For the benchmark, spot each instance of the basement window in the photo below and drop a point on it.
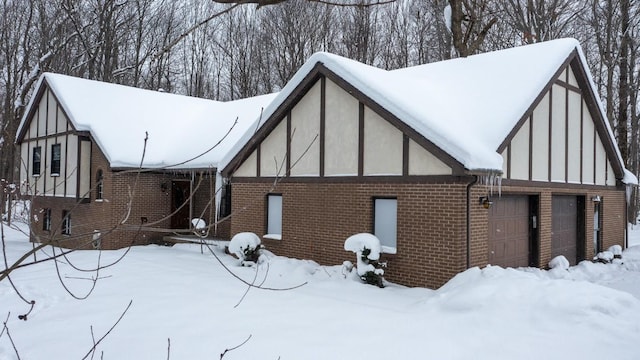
(274, 217)
(55, 159)
(385, 223)
(99, 185)
(36, 161)
(66, 222)
(46, 219)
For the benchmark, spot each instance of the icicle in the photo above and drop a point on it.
(493, 180)
(218, 190)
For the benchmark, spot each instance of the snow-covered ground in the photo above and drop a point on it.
(591, 311)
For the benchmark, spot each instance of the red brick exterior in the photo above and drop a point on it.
(432, 224)
(151, 203)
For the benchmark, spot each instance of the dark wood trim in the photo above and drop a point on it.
(568, 86)
(417, 179)
(63, 173)
(555, 185)
(595, 154)
(566, 135)
(536, 101)
(323, 115)
(405, 155)
(509, 161)
(581, 139)
(531, 146)
(258, 160)
(360, 139)
(288, 145)
(68, 132)
(48, 115)
(550, 156)
(78, 166)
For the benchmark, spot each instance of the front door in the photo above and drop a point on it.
(180, 204)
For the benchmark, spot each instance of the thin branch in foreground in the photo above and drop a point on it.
(96, 343)
(234, 348)
(5, 329)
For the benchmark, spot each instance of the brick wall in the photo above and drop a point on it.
(431, 248)
(318, 217)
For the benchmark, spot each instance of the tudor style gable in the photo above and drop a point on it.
(56, 159)
(331, 129)
(563, 137)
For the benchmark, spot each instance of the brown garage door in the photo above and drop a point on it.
(564, 227)
(509, 231)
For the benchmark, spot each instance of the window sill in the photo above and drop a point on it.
(389, 250)
(55, 175)
(99, 200)
(35, 175)
(272, 236)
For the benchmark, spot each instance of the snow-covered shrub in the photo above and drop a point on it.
(246, 246)
(614, 252)
(367, 248)
(199, 225)
(559, 262)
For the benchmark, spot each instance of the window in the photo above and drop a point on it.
(66, 222)
(597, 226)
(274, 216)
(385, 214)
(99, 185)
(225, 202)
(55, 159)
(46, 220)
(37, 152)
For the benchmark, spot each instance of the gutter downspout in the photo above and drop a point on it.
(469, 186)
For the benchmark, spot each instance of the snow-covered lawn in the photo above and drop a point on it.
(591, 311)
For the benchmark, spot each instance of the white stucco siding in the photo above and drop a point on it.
(33, 127)
(520, 153)
(601, 166)
(25, 163)
(422, 162)
(382, 146)
(305, 134)
(249, 167)
(588, 138)
(540, 141)
(341, 132)
(63, 123)
(558, 134)
(611, 176)
(273, 152)
(84, 173)
(52, 110)
(42, 115)
(71, 166)
(573, 138)
(505, 162)
(572, 78)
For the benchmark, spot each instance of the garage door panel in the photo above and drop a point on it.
(509, 231)
(564, 228)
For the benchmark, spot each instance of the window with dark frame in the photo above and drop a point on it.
(36, 161)
(55, 159)
(385, 222)
(274, 214)
(46, 219)
(225, 202)
(66, 222)
(99, 185)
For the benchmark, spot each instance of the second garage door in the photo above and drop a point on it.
(509, 231)
(564, 228)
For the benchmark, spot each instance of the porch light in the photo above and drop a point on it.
(486, 202)
(596, 199)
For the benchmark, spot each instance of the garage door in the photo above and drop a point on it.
(509, 231)
(564, 228)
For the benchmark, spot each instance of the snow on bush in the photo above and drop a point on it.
(367, 248)
(605, 256)
(616, 250)
(559, 262)
(246, 246)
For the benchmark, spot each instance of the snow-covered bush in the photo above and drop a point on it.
(246, 246)
(367, 248)
(559, 262)
(199, 225)
(614, 252)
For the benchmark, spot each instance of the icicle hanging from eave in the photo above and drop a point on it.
(218, 194)
(492, 179)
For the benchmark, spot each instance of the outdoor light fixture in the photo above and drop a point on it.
(164, 187)
(596, 199)
(486, 202)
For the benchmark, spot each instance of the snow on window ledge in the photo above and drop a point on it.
(99, 200)
(272, 236)
(388, 250)
(55, 175)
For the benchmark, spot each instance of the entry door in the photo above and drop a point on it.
(509, 231)
(597, 243)
(180, 204)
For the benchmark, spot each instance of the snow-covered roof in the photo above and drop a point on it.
(465, 106)
(180, 127)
